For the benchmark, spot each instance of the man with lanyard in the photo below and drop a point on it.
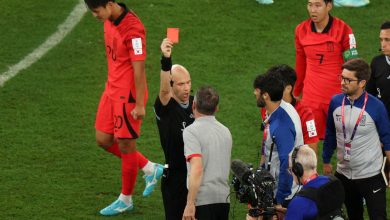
(282, 129)
(379, 84)
(173, 109)
(322, 44)
(357, 125)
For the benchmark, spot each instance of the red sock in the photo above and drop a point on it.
(142, 161)
(114, 149)
(129, 172)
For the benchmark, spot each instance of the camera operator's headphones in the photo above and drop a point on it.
(297, 167)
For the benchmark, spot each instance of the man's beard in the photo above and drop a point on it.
(260, 102)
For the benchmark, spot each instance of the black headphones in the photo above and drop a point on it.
(297, 167)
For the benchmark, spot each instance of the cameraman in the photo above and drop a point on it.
(303, 167)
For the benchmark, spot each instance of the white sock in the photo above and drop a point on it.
(126, 199)
(149, 168)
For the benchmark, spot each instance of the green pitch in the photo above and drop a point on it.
(50, 166)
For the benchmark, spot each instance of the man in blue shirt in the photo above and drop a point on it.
(303, 167)
(282, 131)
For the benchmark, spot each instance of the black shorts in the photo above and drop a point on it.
(217, 211)
(174, 193)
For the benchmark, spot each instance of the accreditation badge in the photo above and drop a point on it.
(347, 151)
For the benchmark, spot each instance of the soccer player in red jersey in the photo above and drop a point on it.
(287, 75)
(323, 43)
(122, 105)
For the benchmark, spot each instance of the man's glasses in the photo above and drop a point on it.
(347, 80)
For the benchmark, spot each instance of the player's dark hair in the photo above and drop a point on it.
(270, 84)
(385, 25)
(359, 66)
(206, 100)
(328, 1)
(97, 3)
(285, 73)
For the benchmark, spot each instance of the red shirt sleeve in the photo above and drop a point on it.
(136, 40)
(309, 129)
(300, 64)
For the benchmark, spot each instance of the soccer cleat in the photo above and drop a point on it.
(151, 180)
(116, 208)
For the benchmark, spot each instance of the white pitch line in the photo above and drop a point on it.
(63, 29)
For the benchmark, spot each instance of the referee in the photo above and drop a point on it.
(173, 109)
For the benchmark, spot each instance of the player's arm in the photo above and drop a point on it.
(349, 44)
(165, 93)
(140, 87)
(194, 181)
(136, 45)
(284, 140)
(300, 65)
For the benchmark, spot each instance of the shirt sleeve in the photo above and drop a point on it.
(284, 140)
(300, 65)
(136, 41)
(192, 147)
(309, 129)
(383, 125)
(330, 142)
(349, 44)
(371, 85)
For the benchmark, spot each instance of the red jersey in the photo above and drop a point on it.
(125, 43)
(319, 57)
(309, 130)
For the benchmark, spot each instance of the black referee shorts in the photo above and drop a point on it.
(174, 193)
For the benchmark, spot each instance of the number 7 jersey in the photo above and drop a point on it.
(319, 57)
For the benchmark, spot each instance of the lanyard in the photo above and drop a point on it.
(310, 178)
(358, 120)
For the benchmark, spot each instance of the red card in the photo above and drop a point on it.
(173, 35)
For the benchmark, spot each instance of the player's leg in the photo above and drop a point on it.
(153, 172)
(104, 125)
(126, 144)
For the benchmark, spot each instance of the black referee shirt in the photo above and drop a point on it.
(379, 84)
(171, 121)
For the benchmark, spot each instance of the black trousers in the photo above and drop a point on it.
(217, 211)
(174, 193)
(372, 189)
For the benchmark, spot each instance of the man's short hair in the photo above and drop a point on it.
(328, 1)
(97, 3)
(206, 100)
(307, 158)
(360, 67)
(385, 25)
(285, 73)
(270, 84)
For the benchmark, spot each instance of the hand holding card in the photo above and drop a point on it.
(173, 35)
